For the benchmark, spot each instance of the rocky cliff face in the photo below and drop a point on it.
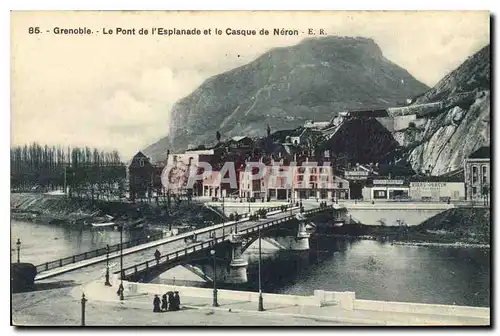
(285, 87)
(442, 140)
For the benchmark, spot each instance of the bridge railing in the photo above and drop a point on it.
(207, 244)
(274, 208)
(112, 248)
(95, 253)
(172, 256)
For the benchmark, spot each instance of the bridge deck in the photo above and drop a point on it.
(167, 245)
(206, 242)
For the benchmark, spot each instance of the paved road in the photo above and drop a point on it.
(58, 307)
(62, 307)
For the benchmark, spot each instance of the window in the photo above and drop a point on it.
(141, 162)
(341, 185)
(484, 174)
(313, 170)
(474, 190)
(380, 194)
(474, 175)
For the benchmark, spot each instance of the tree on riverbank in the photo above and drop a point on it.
(85, 172)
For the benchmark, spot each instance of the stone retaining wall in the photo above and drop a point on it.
(222, 294)
(345, 300)
(422, 308)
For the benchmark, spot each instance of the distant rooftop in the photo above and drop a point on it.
(140, 155)
(453, 176)
(238, 138)
(481, 153)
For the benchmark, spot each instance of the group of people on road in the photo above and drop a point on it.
(170, 301)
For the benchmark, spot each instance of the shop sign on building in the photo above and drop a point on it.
(356, 175)
(437, 190)
(388, 182)
(427, 185)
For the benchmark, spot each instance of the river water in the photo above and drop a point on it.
(375, 271)
(42, 242)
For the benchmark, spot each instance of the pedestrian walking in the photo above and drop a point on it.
(120, 290)
(157, 256)
(177, 301)
(171, 303)
(164, 302)
(156, 304)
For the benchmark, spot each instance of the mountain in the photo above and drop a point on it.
(444, 139)
(284, 87)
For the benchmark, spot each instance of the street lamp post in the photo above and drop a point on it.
(107, 283)
(83, 301)
(215, 303)
(223, 205)
(120, 289)
(236, 218)
(223, 219)
(18, 244)
(261, 303)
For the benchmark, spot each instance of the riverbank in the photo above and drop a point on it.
(429, 240)
(457, 245)
(458, 227)
(59, 209)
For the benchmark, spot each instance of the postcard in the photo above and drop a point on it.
(250, 168)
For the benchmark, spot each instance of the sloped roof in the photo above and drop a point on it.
(139, 155)
(239, 138)
(482, 153)
(280, 135)
(455, 176)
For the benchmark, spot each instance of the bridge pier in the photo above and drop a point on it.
(301, 242)
(238, 266)
(340, 216)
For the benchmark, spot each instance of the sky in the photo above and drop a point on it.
(117, 91)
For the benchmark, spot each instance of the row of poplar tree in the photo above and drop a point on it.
(83, 171)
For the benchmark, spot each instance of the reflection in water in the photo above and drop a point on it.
(379, 271)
